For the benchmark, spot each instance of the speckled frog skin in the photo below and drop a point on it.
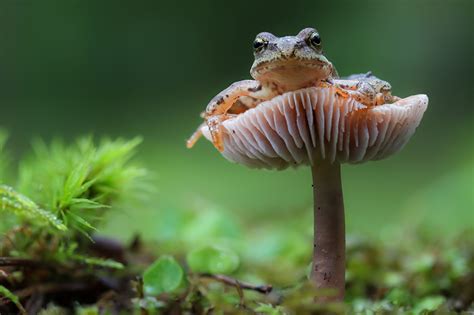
(284, 64)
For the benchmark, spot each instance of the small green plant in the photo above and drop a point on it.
(63, 194)
(79, 183)
(164, 276)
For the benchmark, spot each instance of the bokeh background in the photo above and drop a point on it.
(126, 68)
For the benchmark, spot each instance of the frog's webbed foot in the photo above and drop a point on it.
(218, 107)
(214, 125)
(367, 89)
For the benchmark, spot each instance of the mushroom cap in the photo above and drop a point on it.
(307, 125)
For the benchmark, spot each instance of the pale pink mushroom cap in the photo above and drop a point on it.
(307, 125)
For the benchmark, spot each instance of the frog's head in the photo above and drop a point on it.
(291, 60)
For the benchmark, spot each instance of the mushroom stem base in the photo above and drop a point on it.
(328, 270)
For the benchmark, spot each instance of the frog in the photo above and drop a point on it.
(285, 64)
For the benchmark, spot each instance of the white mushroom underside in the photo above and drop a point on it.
(302, 126)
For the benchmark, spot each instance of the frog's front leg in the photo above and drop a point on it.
(216, 111)
(367, 90)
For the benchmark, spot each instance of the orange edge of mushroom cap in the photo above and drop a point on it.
(307, 125)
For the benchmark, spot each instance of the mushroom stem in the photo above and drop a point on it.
(329, 231)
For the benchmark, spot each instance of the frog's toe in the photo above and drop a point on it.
(214, 125)
(194, 137)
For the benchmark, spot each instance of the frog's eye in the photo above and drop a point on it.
(314, 40)
(259, 44)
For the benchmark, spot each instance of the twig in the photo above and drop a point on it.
(22, 262)
(264, 288)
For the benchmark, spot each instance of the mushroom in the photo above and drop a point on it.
(318, 127)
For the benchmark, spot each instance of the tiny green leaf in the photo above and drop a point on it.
(84, 203)
(211, 259)
(164, 275)
(81, 221)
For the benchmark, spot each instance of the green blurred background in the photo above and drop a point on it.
(122, 68)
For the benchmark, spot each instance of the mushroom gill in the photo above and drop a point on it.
(312, 124)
